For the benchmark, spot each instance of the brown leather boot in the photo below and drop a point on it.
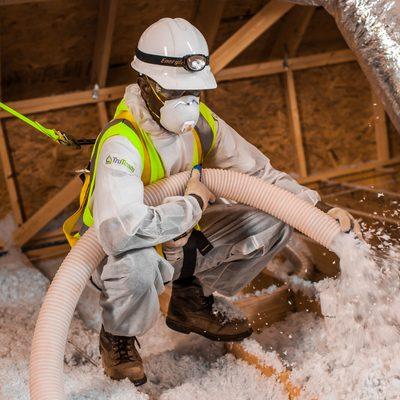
(120, 358)
(190, 311)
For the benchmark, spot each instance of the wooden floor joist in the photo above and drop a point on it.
(238, 350)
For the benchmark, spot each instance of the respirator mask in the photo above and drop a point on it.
(180, 108)
(180, 115)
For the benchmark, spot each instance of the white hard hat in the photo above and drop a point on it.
(175, 54)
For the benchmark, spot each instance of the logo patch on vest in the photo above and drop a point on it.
(120, 164)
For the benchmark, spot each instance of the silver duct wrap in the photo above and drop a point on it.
(371, 28)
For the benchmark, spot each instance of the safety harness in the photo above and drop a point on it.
(54, 134)
(124, 124)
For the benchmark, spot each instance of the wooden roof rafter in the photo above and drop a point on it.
(289, 40)
(102, 50)
(248, 33)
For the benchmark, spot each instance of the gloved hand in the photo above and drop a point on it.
(346, 221)
(197, 189)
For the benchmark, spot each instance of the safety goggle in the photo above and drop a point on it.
(168, 94)
(191, 62)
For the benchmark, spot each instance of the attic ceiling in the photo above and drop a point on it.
(68, 29)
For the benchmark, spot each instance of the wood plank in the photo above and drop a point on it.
(72, 99)
(381, 132)
(249, 32)
(49, 211)
(104, 35)
(291, 32)
(207, 19)
(266, 309)
(10, 178)
(48, 252)
(294, 122)
(56, 102)
(103, 114)
(345, 171)
(278, 66)
(49, 236)
(240, 352)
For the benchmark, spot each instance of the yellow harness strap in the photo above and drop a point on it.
(198, 146)
(71, 222)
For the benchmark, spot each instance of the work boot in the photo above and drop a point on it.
(190, 311)
(120, 358)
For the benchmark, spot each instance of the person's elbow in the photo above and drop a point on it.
(113, 236)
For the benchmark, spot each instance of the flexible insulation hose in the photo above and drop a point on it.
(50, 336)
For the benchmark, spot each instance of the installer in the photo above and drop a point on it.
(202, 244)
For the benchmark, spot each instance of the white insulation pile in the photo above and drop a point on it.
(178, 366)
(353, 352)
(350, 354)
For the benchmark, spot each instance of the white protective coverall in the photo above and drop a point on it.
(243, 239)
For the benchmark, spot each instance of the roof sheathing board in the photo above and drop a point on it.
(47, 47)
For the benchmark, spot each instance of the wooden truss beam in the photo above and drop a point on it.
(294, 122)
(207, 19)
(346, 171)
(279, 66)
(102, 50)
(381, 133)
(56, 102)
(289, 38)
(104, 35)
(249, 32)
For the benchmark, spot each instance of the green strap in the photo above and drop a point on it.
(53, 134)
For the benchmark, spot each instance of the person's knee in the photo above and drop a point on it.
(273, 237)
(134, 273)
(142, 273)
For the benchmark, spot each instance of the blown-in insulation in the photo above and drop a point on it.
(371, 29)
(46, 363)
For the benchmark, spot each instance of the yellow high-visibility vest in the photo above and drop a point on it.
(124, 124)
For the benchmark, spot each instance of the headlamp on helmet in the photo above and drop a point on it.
(191, 62)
